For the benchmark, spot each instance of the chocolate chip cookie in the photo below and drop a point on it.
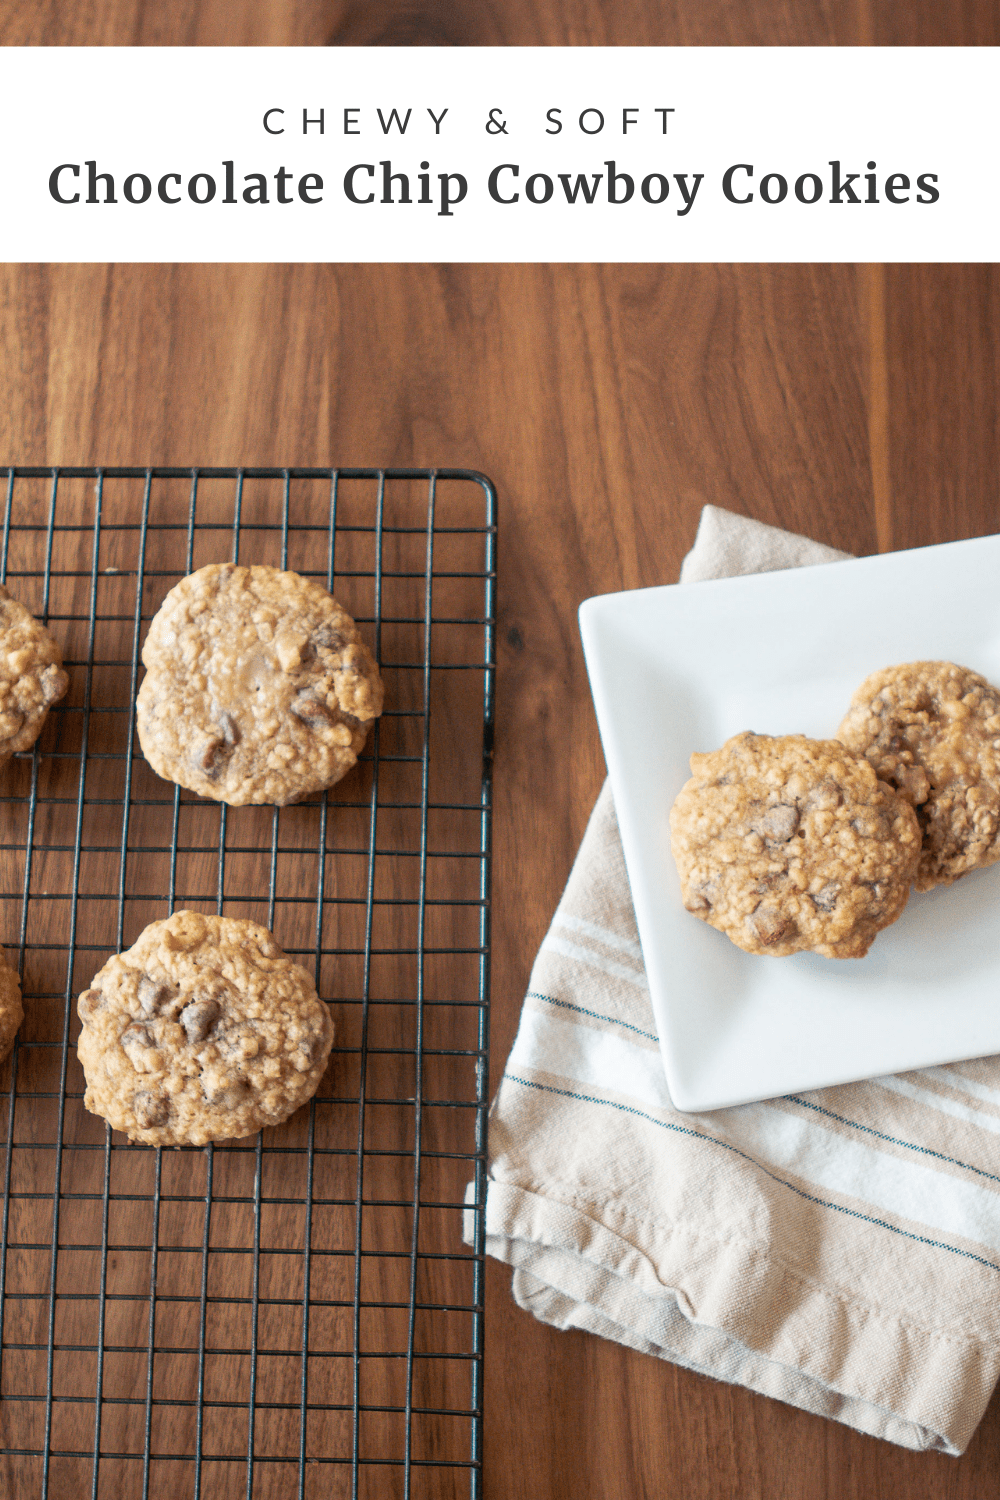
(786, 843)
(202, 1031)
(258, 686)
(932, 729)
(31, 676)
(11, 1009)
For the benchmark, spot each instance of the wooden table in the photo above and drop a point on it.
(857, 404)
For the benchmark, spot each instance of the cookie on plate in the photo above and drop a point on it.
(202, 1031)
(258, 686)
(932, 729)
(11, 1009)
(31, 676)
(785, 843)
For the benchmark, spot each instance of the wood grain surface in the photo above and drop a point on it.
(496, 23)
(858, 404)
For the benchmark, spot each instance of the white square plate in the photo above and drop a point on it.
(679, 669)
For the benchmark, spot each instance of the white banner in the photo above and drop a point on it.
(499, 154)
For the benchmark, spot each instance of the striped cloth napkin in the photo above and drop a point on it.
(837, 1250)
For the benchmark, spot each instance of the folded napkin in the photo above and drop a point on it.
(838, 1250)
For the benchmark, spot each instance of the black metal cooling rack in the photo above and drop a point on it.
(295, 1314)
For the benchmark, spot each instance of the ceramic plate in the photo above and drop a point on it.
(679, 669)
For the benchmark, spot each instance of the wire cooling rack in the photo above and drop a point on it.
(295, 1314)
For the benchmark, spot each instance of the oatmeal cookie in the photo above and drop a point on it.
(202, 1031)
(785, 843)
(31, 676)
(932, 729)
(11, 1009)
(258, 686)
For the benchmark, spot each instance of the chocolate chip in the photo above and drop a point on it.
(149, 1109)
(880, 893)
(826, 899)
(311, 1048)
(778, 824)
(702, 895)
(136, 1035)
(89, 1003)
(313, 712)
(154, 995)
(328, 638)
(212, 756)
(135, 1040)
(218, 748)
(198, 1018)
(768, 924)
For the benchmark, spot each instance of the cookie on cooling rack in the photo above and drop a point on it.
(932, 729)
(258, 686)
(202, 1031)
(31, 676)
(785, 843)
(11, 1009)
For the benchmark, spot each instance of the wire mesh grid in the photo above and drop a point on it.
(297, 1313)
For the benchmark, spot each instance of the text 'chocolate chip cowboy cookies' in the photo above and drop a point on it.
(31, 676)
(203, 1030)
(933, 730)
(258, 686)
(787, 843)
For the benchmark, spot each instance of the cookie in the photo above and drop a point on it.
(11, 1009)
(785, 843)
(31, 676)
(202, 1031)
(258, 686)
(932, 729)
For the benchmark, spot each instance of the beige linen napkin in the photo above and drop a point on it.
(838, 1250)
